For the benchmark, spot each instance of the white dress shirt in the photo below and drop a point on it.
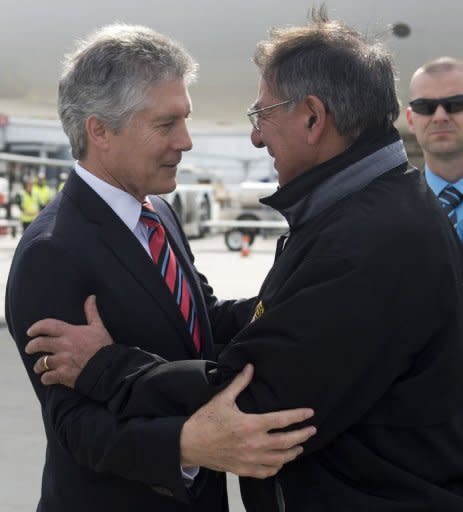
(124, 205)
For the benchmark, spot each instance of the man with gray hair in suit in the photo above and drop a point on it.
(124, 104)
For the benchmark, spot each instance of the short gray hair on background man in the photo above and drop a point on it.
(352, 77)
(109, 75)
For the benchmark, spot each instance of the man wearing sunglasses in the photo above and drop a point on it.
(435, 116)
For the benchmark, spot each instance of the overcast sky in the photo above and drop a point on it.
(221, 35)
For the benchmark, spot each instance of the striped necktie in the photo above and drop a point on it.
(450, 198)
(171, 271)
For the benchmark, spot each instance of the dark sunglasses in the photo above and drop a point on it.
(427, 106)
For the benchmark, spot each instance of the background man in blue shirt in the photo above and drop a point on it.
(435, 116)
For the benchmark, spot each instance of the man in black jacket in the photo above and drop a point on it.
(360, 316)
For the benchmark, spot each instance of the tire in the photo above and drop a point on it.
(252, 232)
(178, 208)
(204, 214)
(233, 239)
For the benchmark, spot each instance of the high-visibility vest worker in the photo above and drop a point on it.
(42, 191)
(62, 180)
(29, 205)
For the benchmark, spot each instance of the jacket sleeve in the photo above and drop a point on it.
(337, 338)
(342, 338)
(46, 282)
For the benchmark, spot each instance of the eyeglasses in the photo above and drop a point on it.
(253, 114)
(427, 106)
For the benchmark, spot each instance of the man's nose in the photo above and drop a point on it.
(184, 142)
(440, 114)
(256, 139)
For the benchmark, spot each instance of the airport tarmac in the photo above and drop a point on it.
(21, 433)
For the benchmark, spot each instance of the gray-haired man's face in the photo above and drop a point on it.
(142, 158)
(284, 133)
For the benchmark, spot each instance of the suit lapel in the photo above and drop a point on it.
(124, 246)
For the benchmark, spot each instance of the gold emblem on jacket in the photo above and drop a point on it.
(259, 311)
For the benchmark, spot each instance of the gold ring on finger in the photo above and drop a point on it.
(45, 365)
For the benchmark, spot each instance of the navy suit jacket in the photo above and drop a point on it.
(78, 246)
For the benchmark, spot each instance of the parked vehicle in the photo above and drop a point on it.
(193, 200)
(241, 213)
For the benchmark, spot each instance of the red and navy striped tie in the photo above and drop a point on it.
(171, 271)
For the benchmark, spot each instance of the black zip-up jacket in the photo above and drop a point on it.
(360, 318)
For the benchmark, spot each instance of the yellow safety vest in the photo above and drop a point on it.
(29, 207)
(42, 193)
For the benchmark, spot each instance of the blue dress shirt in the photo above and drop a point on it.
(437, 184)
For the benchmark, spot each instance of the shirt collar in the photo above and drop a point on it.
(437, 184)
(124, 205)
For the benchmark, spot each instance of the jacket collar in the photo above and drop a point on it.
(321, 187)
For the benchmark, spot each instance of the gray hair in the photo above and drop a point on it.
(109, 74)
(352, 77)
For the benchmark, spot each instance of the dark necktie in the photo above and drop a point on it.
(450, 198)
(171, 271)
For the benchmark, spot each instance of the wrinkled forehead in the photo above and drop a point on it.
(437, 85)
(167, 96)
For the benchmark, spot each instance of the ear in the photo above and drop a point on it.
(98, 133)
(315, 118)
(409, 116)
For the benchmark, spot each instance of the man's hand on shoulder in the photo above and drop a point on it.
(219, 436)
(68, 347)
